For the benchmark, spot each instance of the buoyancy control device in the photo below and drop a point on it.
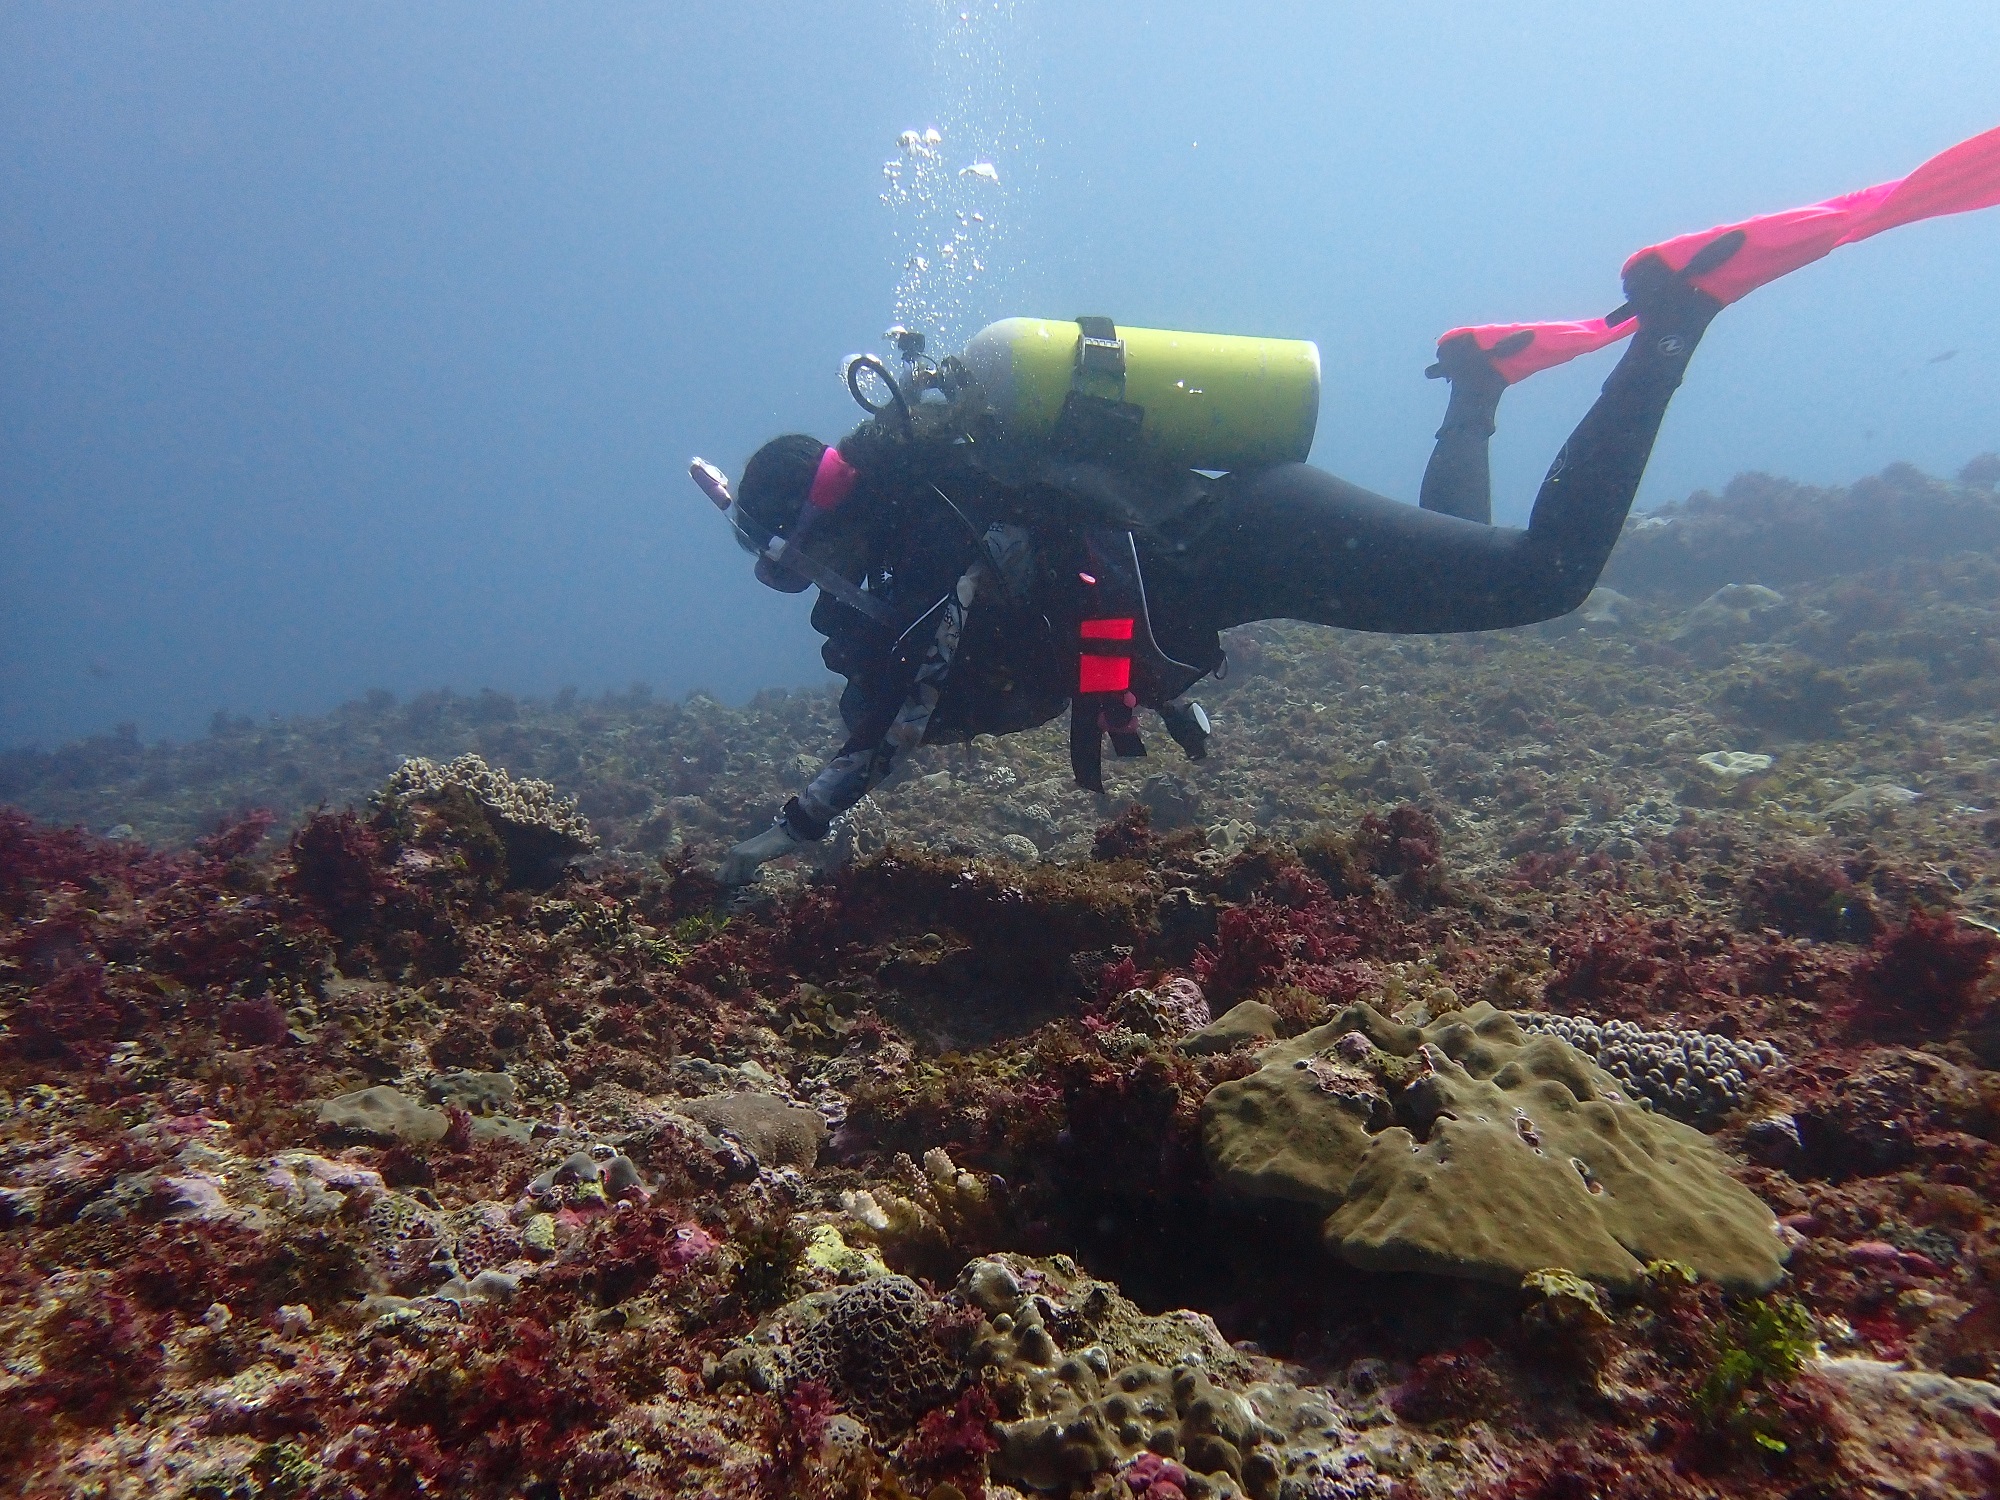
(1143, 400)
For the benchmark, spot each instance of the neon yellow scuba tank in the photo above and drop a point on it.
(1189, 400)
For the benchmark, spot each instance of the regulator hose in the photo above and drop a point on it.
(859, 362)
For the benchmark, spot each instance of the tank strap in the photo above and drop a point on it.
(1100, 356)
(1097, 421)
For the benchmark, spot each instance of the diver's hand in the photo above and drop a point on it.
(740, 865)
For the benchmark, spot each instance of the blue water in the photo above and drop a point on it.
(350, 347)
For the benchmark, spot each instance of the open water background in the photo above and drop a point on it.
(351, 347)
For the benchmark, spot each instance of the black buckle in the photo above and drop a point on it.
(1100, 353)
(1097, 421)
(1101, 357)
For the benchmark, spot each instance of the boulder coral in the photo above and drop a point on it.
(1465, 1148)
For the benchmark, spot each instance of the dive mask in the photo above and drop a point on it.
(782, 564)
(753, 537)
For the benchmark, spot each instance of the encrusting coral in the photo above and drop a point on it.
(1464, 1148)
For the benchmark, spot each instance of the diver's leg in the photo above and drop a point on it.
(1458, 481)
(1293, 542)
(1583, 502)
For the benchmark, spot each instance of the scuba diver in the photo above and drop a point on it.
(1040, 524)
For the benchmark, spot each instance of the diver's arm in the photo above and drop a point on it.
(841, 782)
(804, 819)
(873, 750)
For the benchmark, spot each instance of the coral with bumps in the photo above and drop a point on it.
(1465, 1149)
(1088, 1384)
(1694, 1076)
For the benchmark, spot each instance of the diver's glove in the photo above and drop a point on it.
(740, 865)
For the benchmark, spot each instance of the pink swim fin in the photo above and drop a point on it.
(1518, 350)
(1957, 181)
(1762, 249)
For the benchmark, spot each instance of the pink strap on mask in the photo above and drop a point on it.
(1964, 178)
(832, 481)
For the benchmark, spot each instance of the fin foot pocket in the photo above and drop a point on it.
(1187, 721)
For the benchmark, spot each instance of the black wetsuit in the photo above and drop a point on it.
(1293, 542)
(1286, 542)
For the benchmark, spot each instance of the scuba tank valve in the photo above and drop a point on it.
(909, 343)
(854, 367)
(924, 381)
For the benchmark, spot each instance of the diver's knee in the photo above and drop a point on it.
(1568, 599)
(1555, 597)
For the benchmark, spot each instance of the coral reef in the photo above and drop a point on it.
(540, 830)
(403, 1145)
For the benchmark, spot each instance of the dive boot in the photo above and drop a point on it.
(1672, 310)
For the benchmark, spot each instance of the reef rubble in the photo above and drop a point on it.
(1452, 1088)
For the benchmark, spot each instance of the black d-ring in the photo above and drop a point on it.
(859, 362)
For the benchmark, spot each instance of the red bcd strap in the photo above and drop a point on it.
(1103, 667)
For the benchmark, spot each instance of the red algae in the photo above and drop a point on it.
(1920, 979)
